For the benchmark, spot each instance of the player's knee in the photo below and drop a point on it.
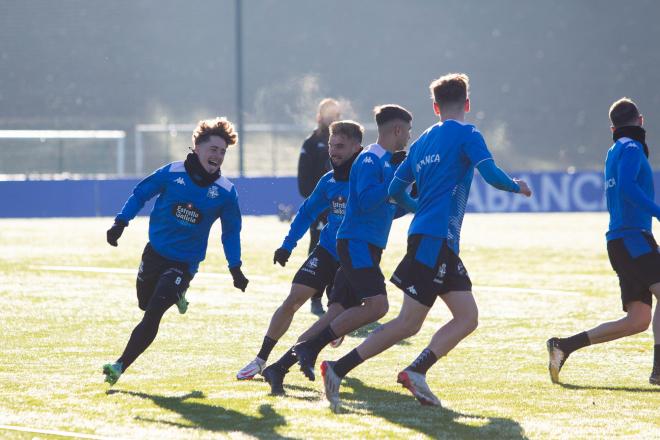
(472, 321)
(638, 319)
(408, 327)
(638, 323)
(378, 305)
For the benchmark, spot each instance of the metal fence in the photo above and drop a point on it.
(268, 150)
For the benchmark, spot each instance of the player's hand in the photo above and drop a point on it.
(281, 256)
(240, 282)
(524, 189)
(115, 232)
(398, 157)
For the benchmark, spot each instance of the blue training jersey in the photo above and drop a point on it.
(331, 194)
(629, 190)
(442, 162)
(181, 220)
(369, 213)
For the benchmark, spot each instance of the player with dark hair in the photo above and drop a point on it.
(313, 163)
(192, 195)
(318, 271)
(632, 250)
(441, 162)
(359, 296)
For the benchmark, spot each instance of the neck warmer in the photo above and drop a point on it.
(197, 172)
(341, 172)
(633, 132)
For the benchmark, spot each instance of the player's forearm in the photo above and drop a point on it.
(398, 192)
(633, 193)
(231, 243)
(497, 178)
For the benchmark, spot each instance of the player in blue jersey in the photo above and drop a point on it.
(632, 250)
(359, 288)
(192, 195)
(318, 271)
(441, 162)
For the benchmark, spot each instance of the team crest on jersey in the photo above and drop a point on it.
(187, 214)
(339, 206)
(180, 181)
(212, 192)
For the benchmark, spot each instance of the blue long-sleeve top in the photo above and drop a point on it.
(369, 213)
(629, 190)
(329, 194)
(181, 220)
(442, 161)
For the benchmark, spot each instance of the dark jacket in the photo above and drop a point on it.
(313, 161)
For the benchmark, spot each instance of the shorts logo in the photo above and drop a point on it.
(187, 214)
(411, 290)
(442, 271)
(212, 192)
(313, 263)
(180, 181)
(177, 281)
(461, 269)
(141, 268)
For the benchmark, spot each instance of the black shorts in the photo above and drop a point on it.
(359, 276)
(636, 261)
(430, 268)
(318, 271)
(157, 273)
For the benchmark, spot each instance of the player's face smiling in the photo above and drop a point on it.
(341, 148)
(211, 153)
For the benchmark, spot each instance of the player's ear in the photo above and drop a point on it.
(436, 108)
(467, 105)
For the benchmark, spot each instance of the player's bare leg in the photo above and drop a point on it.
(279, 324)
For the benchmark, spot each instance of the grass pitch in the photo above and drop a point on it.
(535, 276)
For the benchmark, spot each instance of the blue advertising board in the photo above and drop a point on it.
(553, 192)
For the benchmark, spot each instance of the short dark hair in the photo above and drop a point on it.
(350, 129)
(214, 127)
(623, 112)
(390, 112)
(450, 90)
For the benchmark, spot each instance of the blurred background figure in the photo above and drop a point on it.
(312, 164)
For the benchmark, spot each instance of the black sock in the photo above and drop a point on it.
(347, 363)
(266, 347)
(318, 342)
(287, 360)
(575, 342)
(656, 359)
(424, 361)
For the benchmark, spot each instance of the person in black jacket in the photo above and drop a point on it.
(312, 164)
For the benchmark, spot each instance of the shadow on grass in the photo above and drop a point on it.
(363, 332)
(213, 417)
(405, 411)
(570, 386)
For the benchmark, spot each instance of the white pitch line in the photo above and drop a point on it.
(131, 271)
(527, 290)
(55, 432)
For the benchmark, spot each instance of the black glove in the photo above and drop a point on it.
(281, 256)
(398, 157)
(115, 232)
(240, 282)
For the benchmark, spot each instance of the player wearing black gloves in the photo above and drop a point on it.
(192, 195)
